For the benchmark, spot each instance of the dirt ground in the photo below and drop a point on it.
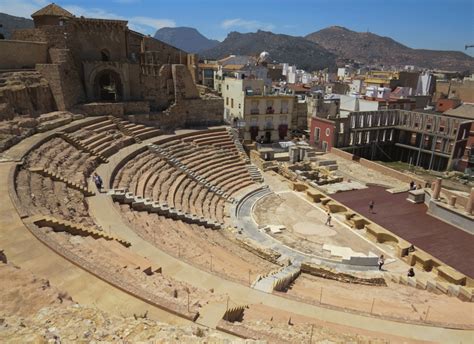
(305, 225)
(32, 311)
(395, 300)
(278, 327)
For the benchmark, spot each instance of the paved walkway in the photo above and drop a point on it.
(106, 215)
(410, 221)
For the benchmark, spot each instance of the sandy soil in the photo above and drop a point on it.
(395, 300)
(352, 170)
(31, 311)
(284, 327)
(305, 225)
(198, 245)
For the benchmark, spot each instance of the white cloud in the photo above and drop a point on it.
(21, 8)
(153, 22)
(246, 24)
(146, 25)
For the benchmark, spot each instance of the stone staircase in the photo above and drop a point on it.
(139, 132)
(124, 129)
(235, 137)
(56, 177)
(277, 280)
(176, 163)
(139, 203)
(464, 293)
(254, 173)
(73, 228)
(80, 146)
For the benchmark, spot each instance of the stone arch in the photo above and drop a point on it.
(108, 85)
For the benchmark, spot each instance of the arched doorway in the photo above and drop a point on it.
(108, 86)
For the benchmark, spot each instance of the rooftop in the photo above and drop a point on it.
(52, 10)
(463, 111)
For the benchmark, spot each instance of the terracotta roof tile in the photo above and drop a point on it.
(52, 10)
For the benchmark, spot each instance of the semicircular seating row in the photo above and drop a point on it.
(152, 176)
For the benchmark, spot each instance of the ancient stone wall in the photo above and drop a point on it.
(33, 35)
(94, 36)
(24, 93)
(184, 86)
(21, 54)
(100, 109)
(164, 53)
(199, 112)
(63, 77)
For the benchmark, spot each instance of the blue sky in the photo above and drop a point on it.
(429, 24)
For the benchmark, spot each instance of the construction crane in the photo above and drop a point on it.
(468, 46)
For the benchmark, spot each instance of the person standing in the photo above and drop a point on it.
(381, 261)
(97, 181)
(328, 220)
(371, 207)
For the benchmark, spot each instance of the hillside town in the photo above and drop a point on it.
(178, 189)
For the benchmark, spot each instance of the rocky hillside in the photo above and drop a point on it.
(33, 311)
(10, 23)
(282, 48)
(185, 38)
(370, 48)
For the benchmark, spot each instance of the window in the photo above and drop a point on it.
(328, 131)
(316, 134)
(232, 103)
(227, 101)
(227, 87)
(283, 120)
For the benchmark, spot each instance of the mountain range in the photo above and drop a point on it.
(329, 46)
(282, 48)
(185, 38)
(317, 50)
(10, 23)
(370, 48)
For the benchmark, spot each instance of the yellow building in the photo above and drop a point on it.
(380, 78)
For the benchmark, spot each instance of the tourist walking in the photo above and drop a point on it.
(381, 261)
(412, 185)
(371, 207)
(328, 220)
(97, 181)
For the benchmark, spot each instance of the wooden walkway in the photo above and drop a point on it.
(410, 221)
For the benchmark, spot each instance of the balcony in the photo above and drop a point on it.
(254, 111)
(270, 110)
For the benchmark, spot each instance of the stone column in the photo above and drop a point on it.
(470, 203)
(452, 201)
(437, 188)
